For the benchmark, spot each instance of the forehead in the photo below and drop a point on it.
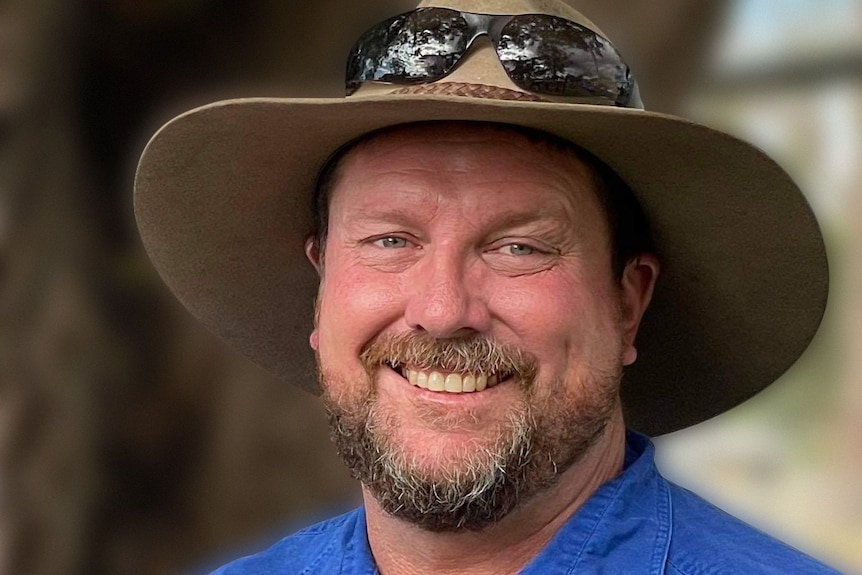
(472, 160)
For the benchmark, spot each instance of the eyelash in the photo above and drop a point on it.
(381, 242)
(532, 250)
(386, 242)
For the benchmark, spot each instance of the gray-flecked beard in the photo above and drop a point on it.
(533, 447)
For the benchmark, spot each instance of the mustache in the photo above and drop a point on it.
(474, 354)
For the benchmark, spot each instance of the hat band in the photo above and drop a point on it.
(469, 90)
(540, 53)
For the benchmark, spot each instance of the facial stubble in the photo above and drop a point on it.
(540, 437)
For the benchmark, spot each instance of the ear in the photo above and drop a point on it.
(636, 287)
(312, 252)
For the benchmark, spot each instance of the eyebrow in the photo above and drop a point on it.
(385, 214)
(554, 222)
(514, 218)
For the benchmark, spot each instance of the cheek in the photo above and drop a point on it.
(559, 318)
(355, 307)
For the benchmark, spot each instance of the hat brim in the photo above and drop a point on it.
(222, 200)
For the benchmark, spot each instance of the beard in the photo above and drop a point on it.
(531, 446)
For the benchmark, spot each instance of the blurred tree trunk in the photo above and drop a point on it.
(130, 440)
(55, 353)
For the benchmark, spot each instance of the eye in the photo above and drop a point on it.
(516, 257)
(391, 242)
(517, 250)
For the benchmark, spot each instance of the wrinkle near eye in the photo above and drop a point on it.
(505, 263)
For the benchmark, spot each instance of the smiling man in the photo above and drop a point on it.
(483, 268)
(471, 326)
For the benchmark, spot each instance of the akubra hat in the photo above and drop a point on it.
(223, 195)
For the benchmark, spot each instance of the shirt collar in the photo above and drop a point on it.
(625, 527)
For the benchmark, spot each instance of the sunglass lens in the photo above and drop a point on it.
(420, 46)
(554, 56)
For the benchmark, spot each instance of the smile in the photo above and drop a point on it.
(448, 382)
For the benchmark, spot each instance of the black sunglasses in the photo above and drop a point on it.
(540, 53)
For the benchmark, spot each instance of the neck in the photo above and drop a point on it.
(507, 546)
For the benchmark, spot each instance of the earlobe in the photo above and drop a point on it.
(637, 285)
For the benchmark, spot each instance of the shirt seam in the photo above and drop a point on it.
(661, 551)
(598, 522)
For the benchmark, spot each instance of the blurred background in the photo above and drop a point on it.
(131, 441)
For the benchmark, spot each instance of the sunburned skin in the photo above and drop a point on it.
(468, 315)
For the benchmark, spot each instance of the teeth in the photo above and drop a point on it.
(422, 380)
(468, 384)
(481, 382)
(452, 382)
(435, 382)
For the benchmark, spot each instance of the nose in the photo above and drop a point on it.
(446, 298)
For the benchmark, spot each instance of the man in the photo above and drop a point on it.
(485, 266)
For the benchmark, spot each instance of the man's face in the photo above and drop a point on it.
(460, 257)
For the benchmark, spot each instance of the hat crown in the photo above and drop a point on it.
(550, 7)
(480, 73)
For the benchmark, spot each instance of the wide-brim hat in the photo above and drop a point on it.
(223, 203)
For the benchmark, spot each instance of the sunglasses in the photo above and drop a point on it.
(540, 53)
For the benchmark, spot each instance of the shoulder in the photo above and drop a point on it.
(706, 540)
(315, 549)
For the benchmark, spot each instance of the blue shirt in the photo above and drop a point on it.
(638, 523)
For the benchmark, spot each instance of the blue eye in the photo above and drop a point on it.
(391, 242)
(518, 250)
